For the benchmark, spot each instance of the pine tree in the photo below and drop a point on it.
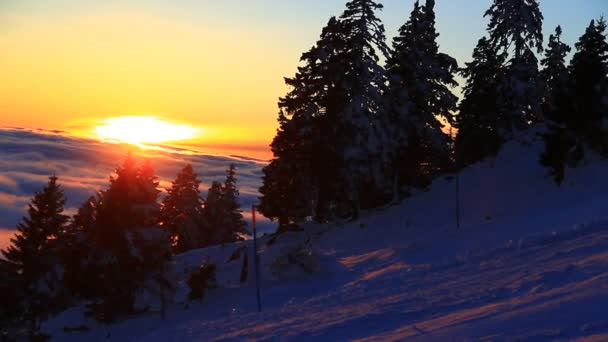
(555, 78)
(77, 243)
(33, 256)
(420, 81)
(297, 182)
(358, 119)
(222, 211)
(236, 225)
(329, 144)
(517, 25)
(32, 250)
(477, 120)
(127, 244)
(182, 212)
(589, 73)
(284, 178)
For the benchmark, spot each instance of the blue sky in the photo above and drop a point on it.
(460, 22)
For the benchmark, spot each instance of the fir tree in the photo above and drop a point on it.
(589, 74)
(182, 212)
(236, 225)
(297, 182)
(477, 120)
(222, 211)
(127, 245)
(330, 143)
(285, 186)
(213, 208)
(517, 25)
(33, 257)
(420, 81)
(32, 249)
(555, 78)
(579, 108)
(76, 244)
(356, 118)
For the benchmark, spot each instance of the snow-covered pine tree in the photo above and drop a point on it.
(477, 119)
(555, 77)
(182, 212)
(33, 253)
(420, 78)
(355, 111)
(589, 76)
(331, 149)
(516, 28)
(561, 143)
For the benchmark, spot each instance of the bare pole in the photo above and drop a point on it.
(457, 178)
(256, 259)
(458, 200)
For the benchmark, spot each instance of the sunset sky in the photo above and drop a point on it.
(215, 65)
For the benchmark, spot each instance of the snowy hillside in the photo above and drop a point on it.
(530, 261)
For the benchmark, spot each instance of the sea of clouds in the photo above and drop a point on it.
(28, 157)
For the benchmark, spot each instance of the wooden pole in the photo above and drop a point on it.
(256, 259)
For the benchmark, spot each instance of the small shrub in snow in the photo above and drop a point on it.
(201, 280)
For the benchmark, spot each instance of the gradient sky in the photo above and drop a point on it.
(213, 64)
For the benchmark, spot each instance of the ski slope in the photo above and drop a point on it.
(530, 261)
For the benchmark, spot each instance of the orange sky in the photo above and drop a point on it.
(215, 65)
(70, 72)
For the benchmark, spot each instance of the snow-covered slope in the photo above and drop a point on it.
(529, 261)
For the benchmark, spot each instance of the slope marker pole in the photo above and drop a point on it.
(256, 259)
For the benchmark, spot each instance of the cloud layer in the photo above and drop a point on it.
(29, 157)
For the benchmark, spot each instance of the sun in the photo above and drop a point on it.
(141, 130)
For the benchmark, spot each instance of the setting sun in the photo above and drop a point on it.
(143, 130)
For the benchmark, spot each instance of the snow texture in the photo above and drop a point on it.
(530, 261)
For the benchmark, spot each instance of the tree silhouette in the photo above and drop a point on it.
(33, 254)
(182, 212)
(420, 81)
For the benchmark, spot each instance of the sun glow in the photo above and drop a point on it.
(139, 130)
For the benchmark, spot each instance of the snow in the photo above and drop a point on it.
(529, 262)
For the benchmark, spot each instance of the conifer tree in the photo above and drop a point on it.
(420, 81)
(127, 245)
(213, 210)
(76, 244)
(32, 251)
(32, 257)
(222, 211)
(589, 74)
(298, 181)
(477, 120)
(360, 130)
(517, 25)
(283, 180)
(578, 109)
(236, 225)
(555, 78)
(182, 212)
